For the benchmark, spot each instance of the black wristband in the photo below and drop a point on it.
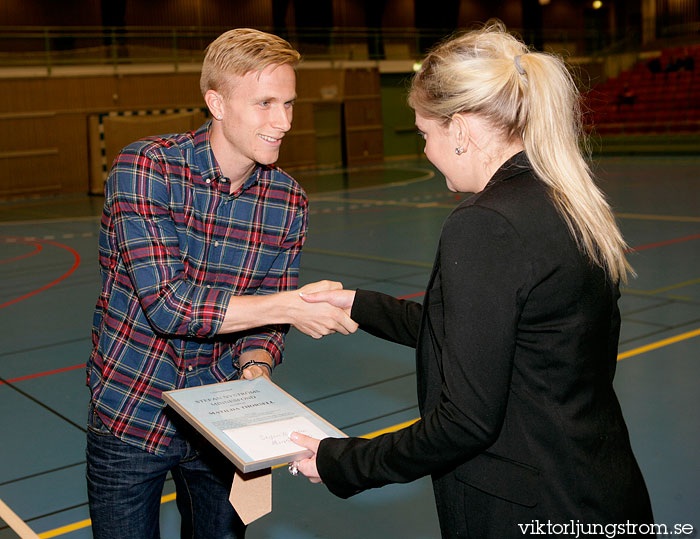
(253, 362)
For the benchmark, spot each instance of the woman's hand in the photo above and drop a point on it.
(307, 466)
(316, 317)
(343, 299)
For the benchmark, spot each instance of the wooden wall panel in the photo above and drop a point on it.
(165, 90)
(44, 122)
(328, 129)
(364, 145)
(92, 92)
(363, 117)
(363, 111)
(298, 146)
(29, 175)
(37, 13)
(71, 133)
(303, 119)
(298, 150)
(213, 13)
(43, 149)
(320, 83)
(23, 132)
(362, 82)
(22, 95)
(109, 134)
(399, 14)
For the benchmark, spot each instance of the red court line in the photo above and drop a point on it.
(76, 263)
(412, 295)
(37, 249)
(662, 243)
(630, 250)
(40, 374)
(408, 296)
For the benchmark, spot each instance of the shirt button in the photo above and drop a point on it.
(208, 286)
(208, 180)
(189, 368)
(216, 244)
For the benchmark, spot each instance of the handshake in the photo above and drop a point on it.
(322, 308)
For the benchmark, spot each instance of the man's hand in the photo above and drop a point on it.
(253, 371)
(343, 299)
(316, 317)
(313, 318)
(320, 286)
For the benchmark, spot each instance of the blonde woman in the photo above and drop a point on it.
(516, 339)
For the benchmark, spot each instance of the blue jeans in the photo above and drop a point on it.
(125, 485)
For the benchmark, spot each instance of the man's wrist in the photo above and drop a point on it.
(251, 311)
(252, 362)
(253, 357)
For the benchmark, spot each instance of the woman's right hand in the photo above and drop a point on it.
(315, 316)
(343, 299)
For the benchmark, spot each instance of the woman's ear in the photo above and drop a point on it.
(460, 129)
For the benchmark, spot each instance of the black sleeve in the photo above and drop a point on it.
(386, 317)
(483, 266)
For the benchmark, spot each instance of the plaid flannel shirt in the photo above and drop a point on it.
(174, 247)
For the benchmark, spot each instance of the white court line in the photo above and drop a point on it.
(16, 523)
(426, 175)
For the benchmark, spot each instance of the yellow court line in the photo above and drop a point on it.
(630, 353)
(659, 344)
(653, 217)
(170, 497)
(664, 289)
(87, 522)
(66, 529)
(393, 428)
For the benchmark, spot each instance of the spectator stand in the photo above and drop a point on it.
(658, 96)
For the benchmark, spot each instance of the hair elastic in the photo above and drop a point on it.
(518, 65)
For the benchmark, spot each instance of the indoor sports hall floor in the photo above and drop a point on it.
(374, 228)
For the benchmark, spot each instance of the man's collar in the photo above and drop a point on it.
(208, 167)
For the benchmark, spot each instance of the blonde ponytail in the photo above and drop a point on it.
(532, 96)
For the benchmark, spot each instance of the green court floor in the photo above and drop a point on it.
(373, 227)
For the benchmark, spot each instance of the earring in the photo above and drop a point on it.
(459, 150)
(219, 117)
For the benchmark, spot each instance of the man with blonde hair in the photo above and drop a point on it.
(199, 252)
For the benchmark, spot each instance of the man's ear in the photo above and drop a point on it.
(215, 103)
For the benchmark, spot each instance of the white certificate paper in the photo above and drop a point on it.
(250, 421)
(266, 440)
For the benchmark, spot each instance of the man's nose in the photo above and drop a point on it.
(282, 118)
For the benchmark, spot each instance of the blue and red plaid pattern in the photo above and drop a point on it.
(174, 247)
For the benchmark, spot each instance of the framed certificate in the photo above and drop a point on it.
(249, 421)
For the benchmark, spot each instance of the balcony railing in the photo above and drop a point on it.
(53, 47)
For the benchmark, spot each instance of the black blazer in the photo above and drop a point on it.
(516, 345)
